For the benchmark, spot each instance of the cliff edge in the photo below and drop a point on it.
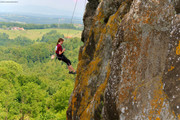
(129, 66)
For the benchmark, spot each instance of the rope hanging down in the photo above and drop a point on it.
(72, 16)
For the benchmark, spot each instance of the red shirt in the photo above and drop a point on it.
(59, 48)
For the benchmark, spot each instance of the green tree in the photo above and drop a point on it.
(51, 37)
(8, 100)
(31, 97)
(22, 41)
(4, 39)
(60, 99)
(9, 69)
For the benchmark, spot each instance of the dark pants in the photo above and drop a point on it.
(64, 59)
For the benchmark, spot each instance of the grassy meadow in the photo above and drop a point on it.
(35, 34)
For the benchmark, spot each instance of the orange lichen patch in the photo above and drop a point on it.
(115, 20)
(99, 45)
(148, 16)
(123, 96)
(113, 24)
(157, 101)
(134, 29)
(172, 67)
(93, 66)
(102, 87)
(130, 63)
(178, 49)
(136, 91)
(158, 118)
(100, 15)
(85, 92)
(85, 99)
(87, 114)
(146, 19)
(80, 54)
(80, 70)
(110, 28)
(73, 104)
(131, 36)
(83, 89)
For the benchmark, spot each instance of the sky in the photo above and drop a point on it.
(58, 7)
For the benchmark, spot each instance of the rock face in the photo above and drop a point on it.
(129, 66)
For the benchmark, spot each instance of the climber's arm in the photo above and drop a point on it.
(60, 52)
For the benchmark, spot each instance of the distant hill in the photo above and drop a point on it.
(38, 18)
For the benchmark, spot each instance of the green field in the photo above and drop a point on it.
(38, 33)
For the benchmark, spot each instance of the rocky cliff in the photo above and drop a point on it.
(129, 66)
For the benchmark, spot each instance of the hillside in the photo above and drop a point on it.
(129, 65)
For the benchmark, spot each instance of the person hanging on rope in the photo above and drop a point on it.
(61, 56)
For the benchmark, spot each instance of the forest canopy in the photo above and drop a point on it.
(32, 86)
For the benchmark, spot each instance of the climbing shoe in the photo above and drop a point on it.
(71, 72)
(74, 72)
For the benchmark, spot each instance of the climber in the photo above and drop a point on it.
(61, 56)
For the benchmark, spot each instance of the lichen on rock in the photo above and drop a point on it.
(129, 65)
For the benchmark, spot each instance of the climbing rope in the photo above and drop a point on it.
(72, 16)
(85, 1)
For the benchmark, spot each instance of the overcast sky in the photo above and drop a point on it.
(44, 6)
